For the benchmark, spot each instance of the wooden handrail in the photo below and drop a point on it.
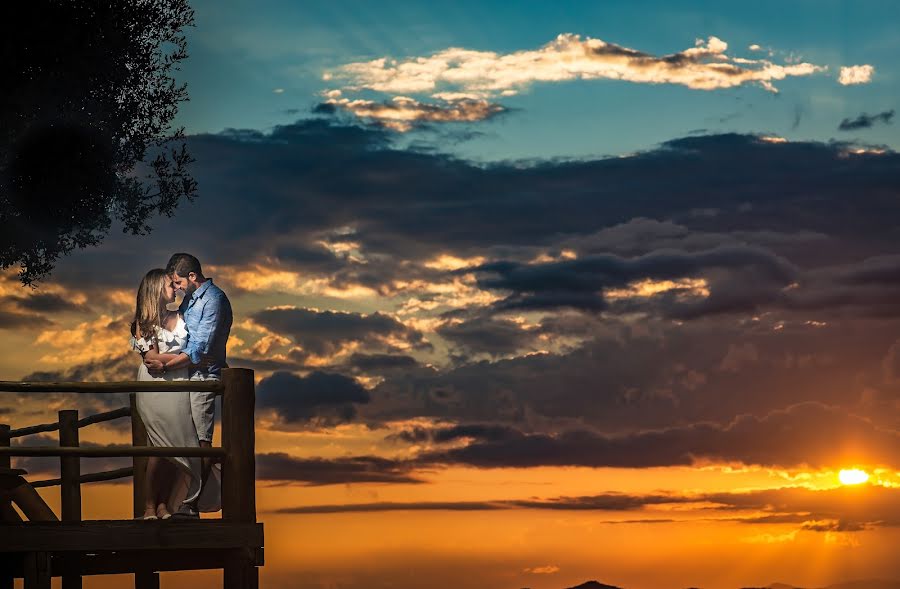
(84, 422)
(91, 477)
(112, 451)
(105, 388)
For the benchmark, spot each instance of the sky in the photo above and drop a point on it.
(534, 293)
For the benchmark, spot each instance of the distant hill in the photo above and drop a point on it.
(596, 585)
(864, 584)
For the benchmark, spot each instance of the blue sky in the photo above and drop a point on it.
(240, 56)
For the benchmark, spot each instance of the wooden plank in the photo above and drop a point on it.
(129, 561)
(139, 463)
(111, 451)
(158, 386)
(101, 535)
(238, 439)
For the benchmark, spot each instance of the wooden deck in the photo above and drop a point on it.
(71, 548)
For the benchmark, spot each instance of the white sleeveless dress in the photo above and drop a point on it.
(169, 422)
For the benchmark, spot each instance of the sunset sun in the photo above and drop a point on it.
(853, 476)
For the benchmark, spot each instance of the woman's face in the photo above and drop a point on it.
(168, 293)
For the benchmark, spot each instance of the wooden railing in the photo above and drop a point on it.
(237, 453)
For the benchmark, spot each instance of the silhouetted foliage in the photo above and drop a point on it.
(86, 115)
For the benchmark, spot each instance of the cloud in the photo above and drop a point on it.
(864, 121)
(281, 467)
(466, 81)
(324, 332)
(705, 66)
(855, 74)
(402, 113)
(320, 398)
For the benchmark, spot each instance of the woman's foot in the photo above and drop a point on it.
(162, 513)
(148, 515)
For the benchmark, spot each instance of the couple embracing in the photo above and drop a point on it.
(180, 342)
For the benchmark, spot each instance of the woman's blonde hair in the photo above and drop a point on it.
(147, 315)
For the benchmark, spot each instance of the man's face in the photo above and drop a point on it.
(183, 283)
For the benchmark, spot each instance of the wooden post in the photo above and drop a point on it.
(138, 438)
(70, 467)
(146, 580)
(6, 580)
(239, 469)
(37, 570)
(238, 440)
(70, 485)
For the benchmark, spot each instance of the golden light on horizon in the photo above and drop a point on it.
(853, 476)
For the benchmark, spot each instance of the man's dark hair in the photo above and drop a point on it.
(183, 264)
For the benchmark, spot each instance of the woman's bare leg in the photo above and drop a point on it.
(164, 486)
(151, 485)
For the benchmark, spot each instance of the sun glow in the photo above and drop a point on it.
(853, 476)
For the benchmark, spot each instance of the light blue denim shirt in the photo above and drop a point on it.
(208, 317)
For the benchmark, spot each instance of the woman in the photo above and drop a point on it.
(171, 484)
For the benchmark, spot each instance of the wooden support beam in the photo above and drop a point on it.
(27, 499)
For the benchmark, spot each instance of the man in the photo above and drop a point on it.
(208, 317)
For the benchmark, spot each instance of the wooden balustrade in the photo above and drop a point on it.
(72, 547)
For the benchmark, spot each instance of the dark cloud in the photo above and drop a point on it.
(47, 303)
(48, 467)
(413, 205)
(492, 335)
(652, 374)
(842, 509)
(806, 435)
(865, 121)
(319, 397)
(323, 332)
(107, 369)
(16, 319)
(112, 368)
(320, 471)
(752, 277)
(379, 362)
(476, 431)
